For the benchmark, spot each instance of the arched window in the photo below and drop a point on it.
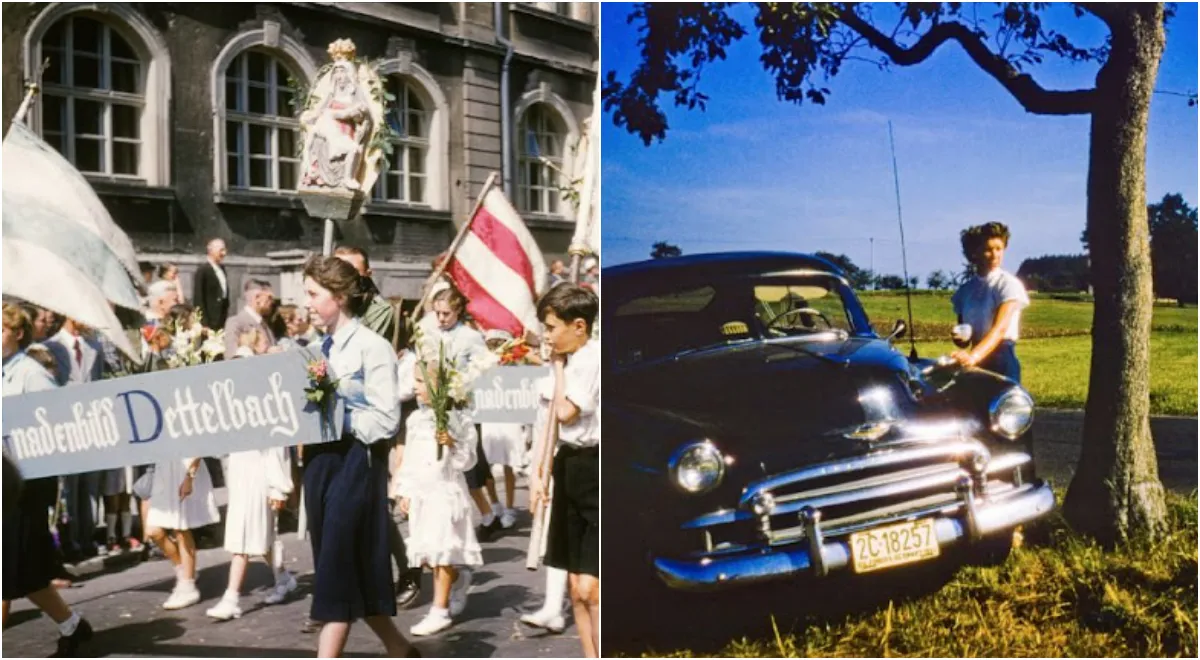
(94, 97)
(406, 179)
(261, 131)
(541, 151)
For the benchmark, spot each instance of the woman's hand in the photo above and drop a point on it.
(276, 505)
(965, 358)
(404, 505)
(185, 488)
(444, 439)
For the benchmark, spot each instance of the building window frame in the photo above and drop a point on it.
(557, 109)
(294, 57)
(152, 99)
(437, 142)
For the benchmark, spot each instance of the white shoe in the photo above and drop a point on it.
(432, 624)
(281, 590)
(225, 609)
(182, 597)
(508, 518)
(545, 620)
(458, 592)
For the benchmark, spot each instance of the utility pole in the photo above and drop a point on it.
(872, 239)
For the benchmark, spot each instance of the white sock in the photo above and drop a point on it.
(498, 508)
(111, 520)
(556, 590)
(184, 583)
(67, 628)
(277, 560)
(232, 596)
(440, 612)
(488, 519)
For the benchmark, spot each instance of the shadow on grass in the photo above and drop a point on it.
(649, 619)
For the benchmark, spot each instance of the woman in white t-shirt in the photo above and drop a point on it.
(990, 302)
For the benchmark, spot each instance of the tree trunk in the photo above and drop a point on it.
(1116, 493)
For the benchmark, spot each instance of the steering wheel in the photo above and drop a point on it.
(798, 310)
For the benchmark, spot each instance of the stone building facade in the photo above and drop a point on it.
(181, 116)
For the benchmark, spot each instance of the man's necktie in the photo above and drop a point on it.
(78, 354)
(326, 345)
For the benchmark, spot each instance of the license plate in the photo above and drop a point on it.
(893, 545)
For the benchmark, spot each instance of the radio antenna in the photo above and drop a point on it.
(912, 330)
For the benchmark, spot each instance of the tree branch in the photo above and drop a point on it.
(1032, 96)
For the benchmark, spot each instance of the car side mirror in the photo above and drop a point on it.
(898, 330)
(961, 334)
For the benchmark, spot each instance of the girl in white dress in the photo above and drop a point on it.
(181, 499)
(260, 481)
(434, 494)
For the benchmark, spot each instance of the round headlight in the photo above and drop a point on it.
(1012, 413)
(697, 467)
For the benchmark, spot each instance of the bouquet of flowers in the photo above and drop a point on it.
(448, 384)
(321, 389)
(198, 345)
(516, 352)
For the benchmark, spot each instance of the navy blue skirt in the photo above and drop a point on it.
(1003, 360)
(30, 558)
(345, 496)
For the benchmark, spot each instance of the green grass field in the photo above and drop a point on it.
(1060, 597)
(1056, 346)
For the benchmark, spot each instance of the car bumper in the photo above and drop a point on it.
(818, 556)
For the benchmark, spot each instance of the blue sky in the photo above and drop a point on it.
(753, 172)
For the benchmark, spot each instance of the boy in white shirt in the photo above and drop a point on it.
(990, 302)
(568, 312)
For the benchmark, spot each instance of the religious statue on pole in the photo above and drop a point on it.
(341, 122)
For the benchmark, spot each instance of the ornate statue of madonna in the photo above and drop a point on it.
(339, 127)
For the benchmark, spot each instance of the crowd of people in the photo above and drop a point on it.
(394, 470)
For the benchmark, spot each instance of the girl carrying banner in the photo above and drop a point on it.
(345, 481)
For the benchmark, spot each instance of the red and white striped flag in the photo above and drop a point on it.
(499, 268)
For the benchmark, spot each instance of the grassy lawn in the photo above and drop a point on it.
(1062, 596)
(1056, 347)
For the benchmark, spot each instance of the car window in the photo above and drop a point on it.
(660, 324)
(800, 308)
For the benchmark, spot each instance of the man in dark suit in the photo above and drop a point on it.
(210, 293)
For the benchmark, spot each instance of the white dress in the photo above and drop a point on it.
(196, 510)
(254, 477)
(441, 516)
(504, 444)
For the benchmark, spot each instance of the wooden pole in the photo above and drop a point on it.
(541, 510)
(454, 245)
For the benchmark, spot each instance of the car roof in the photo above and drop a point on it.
(718, 264)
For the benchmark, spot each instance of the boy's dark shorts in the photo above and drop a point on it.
(574, 536)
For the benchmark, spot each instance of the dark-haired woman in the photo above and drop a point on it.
(345, 482)
(990, 302)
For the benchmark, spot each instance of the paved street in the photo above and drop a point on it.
(124, 606)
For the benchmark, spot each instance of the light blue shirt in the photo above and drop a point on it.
(365, 365)
(23, 374)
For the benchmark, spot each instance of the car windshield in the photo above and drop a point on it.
(800, 308)
(667, 320)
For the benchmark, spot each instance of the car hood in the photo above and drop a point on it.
(770, 405)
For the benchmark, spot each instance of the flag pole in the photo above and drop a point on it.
(584, 217)
(31, 90)
(454, 245)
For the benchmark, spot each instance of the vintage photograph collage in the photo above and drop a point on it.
(379, 328)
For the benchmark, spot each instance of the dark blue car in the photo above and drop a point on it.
(757, 428)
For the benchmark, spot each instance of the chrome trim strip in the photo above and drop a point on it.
(881, 459)
(945, 479)
(764, 564)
